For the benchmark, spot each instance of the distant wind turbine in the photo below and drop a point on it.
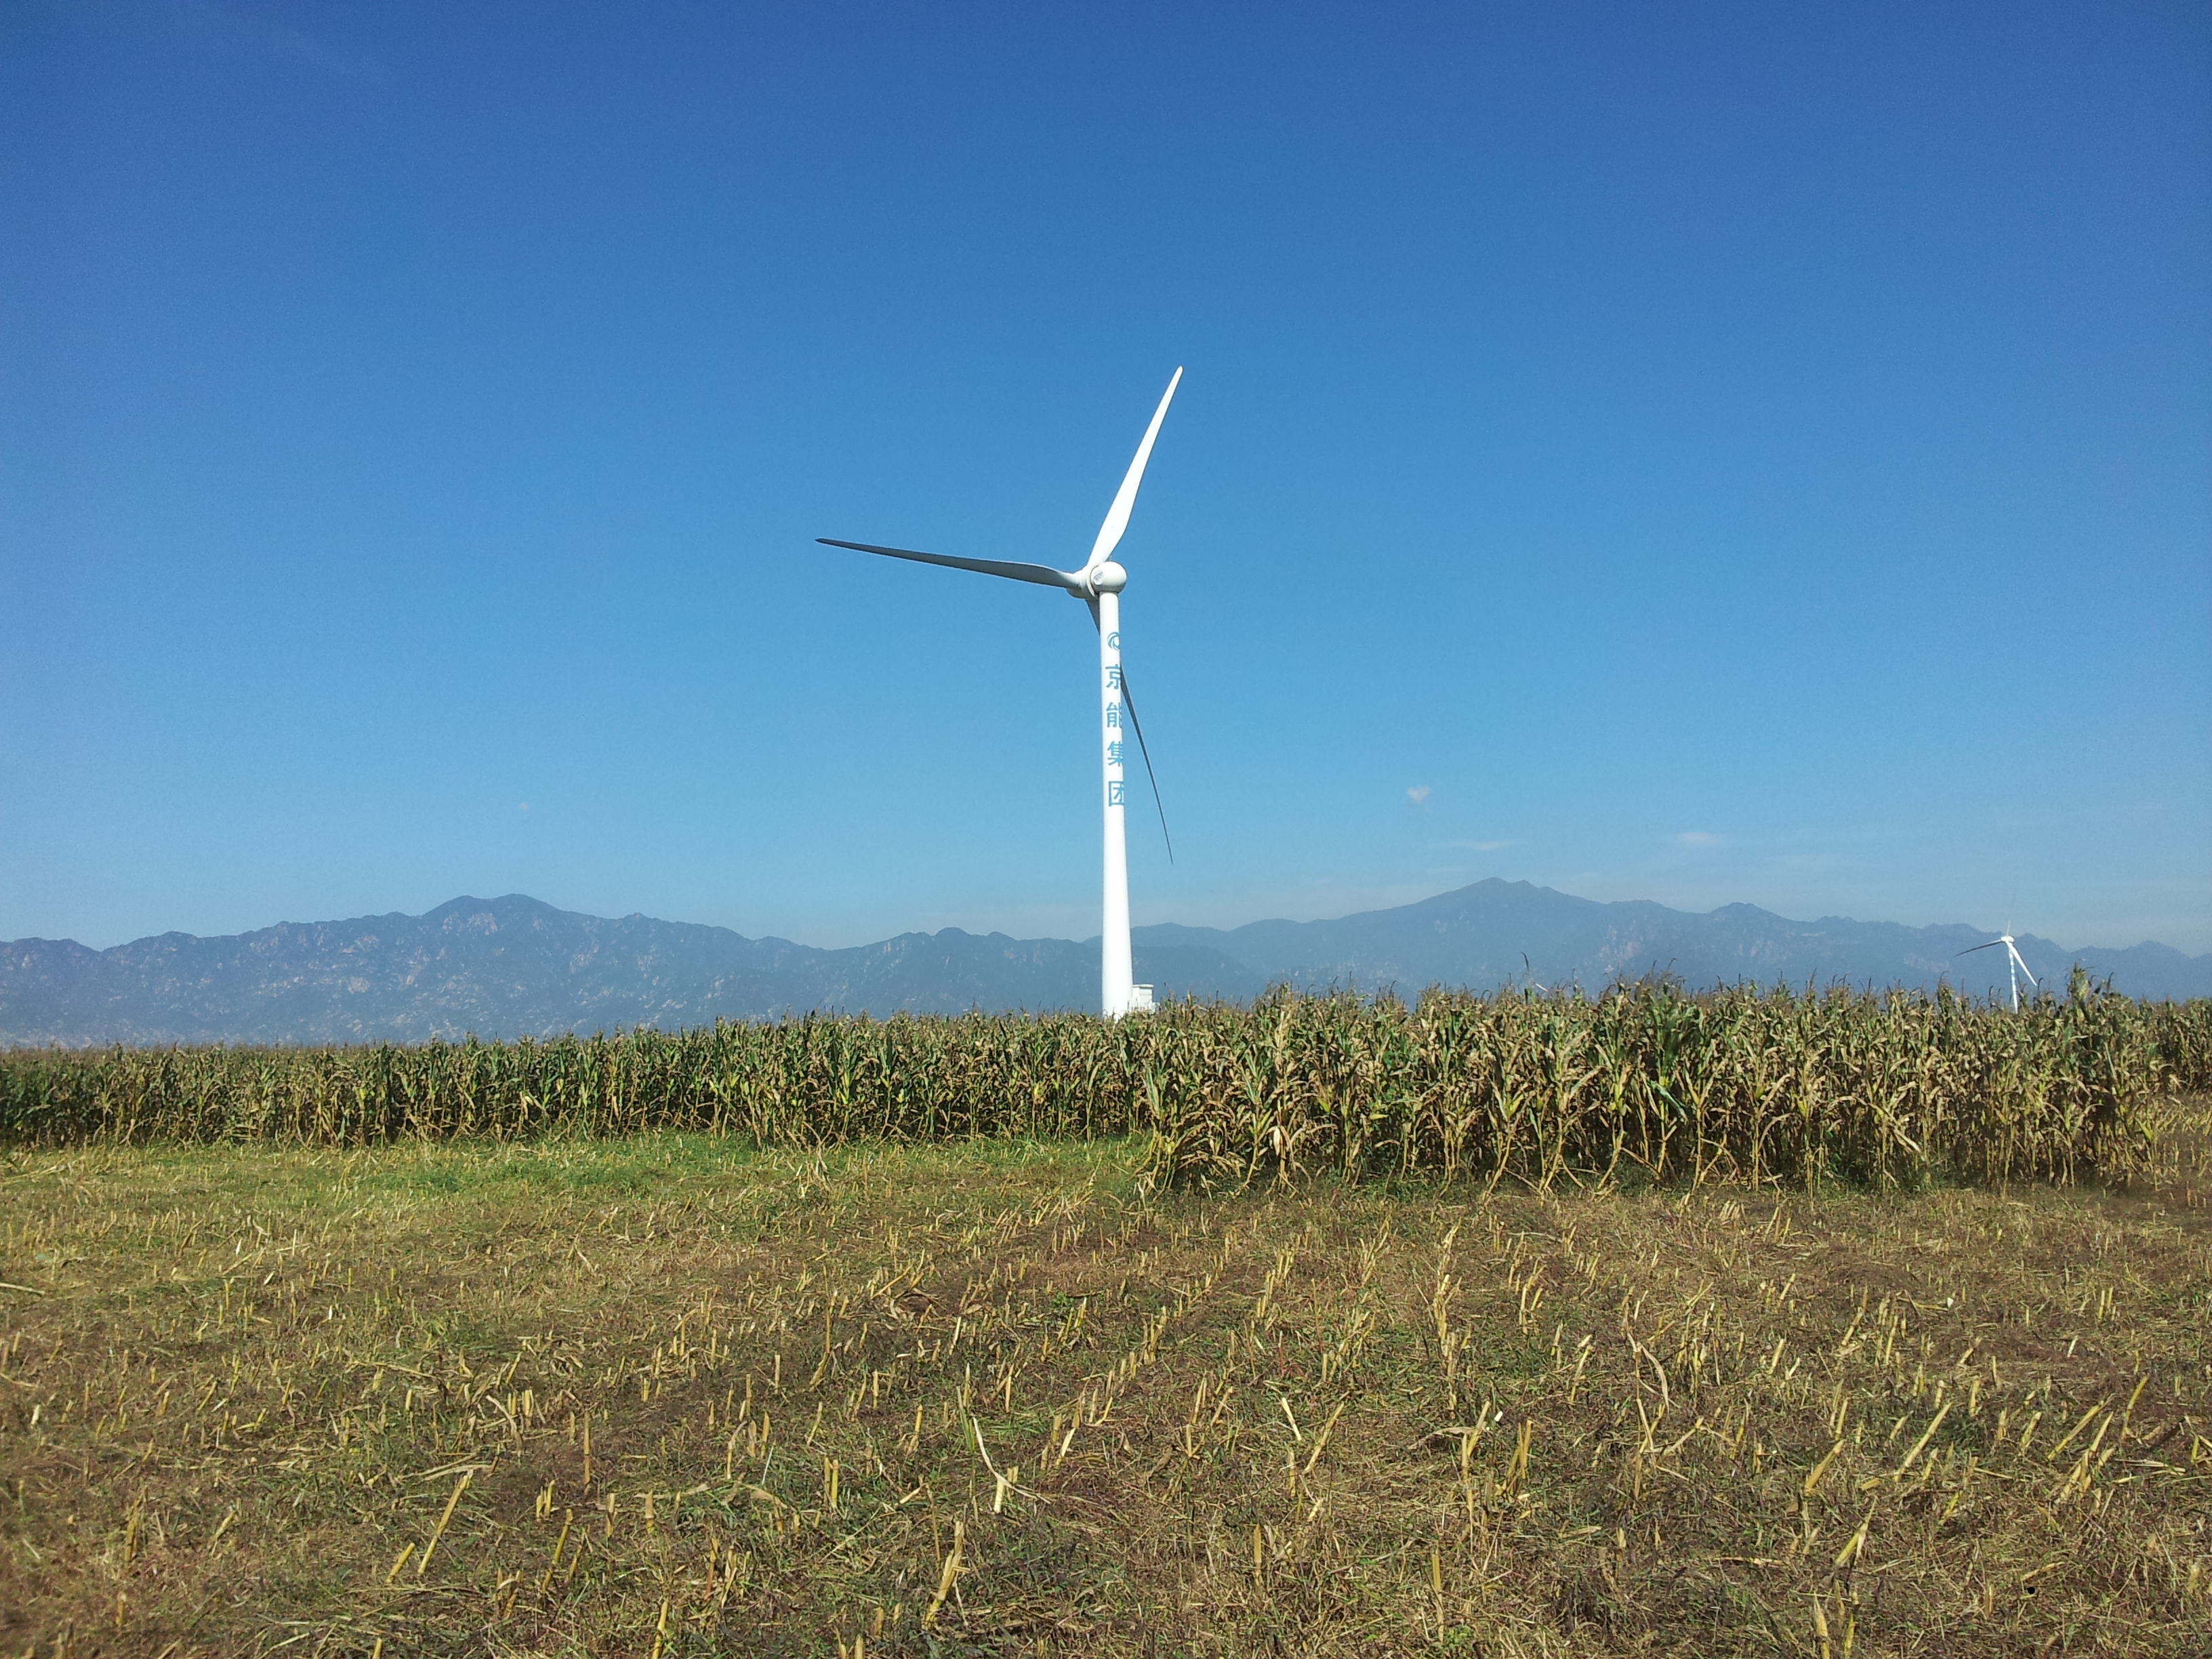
(1098, 584)
(2014, 965)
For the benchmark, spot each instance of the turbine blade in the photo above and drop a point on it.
(1130, 703)
(1971, 949)
(2021, 965)
(1117, 516)
(1043, 575)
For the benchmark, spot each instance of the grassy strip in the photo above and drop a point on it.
(1644, 1082)
(675, 1395)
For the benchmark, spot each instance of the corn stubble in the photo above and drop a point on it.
(1642, 1083)
(676, 1397)
(1507, 1325)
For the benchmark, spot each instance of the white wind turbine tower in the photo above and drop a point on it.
(1098, 584)
(2015, 966)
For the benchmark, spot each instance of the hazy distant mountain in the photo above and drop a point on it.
(1480, 935)
(511, 966)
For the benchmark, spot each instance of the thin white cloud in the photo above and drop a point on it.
(1418, 794)
(1697, 838)
(1477, 845)
(249, 28)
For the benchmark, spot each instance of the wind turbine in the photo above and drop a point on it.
(1098, 584)
(2014, 965)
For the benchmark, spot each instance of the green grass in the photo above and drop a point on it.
(236, 1384)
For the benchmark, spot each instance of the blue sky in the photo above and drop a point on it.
(1705, 453)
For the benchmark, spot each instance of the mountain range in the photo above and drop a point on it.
(514, 966)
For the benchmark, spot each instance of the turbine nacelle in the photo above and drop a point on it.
(1106, 578)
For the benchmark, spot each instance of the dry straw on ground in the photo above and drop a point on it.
(674, 1395)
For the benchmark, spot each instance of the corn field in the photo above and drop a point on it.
(1644, 1082)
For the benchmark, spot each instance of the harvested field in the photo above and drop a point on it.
(675, 1395)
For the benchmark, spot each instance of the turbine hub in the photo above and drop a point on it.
(1108, 578)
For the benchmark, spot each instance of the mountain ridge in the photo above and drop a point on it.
(516, 966)
(1590, 942)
